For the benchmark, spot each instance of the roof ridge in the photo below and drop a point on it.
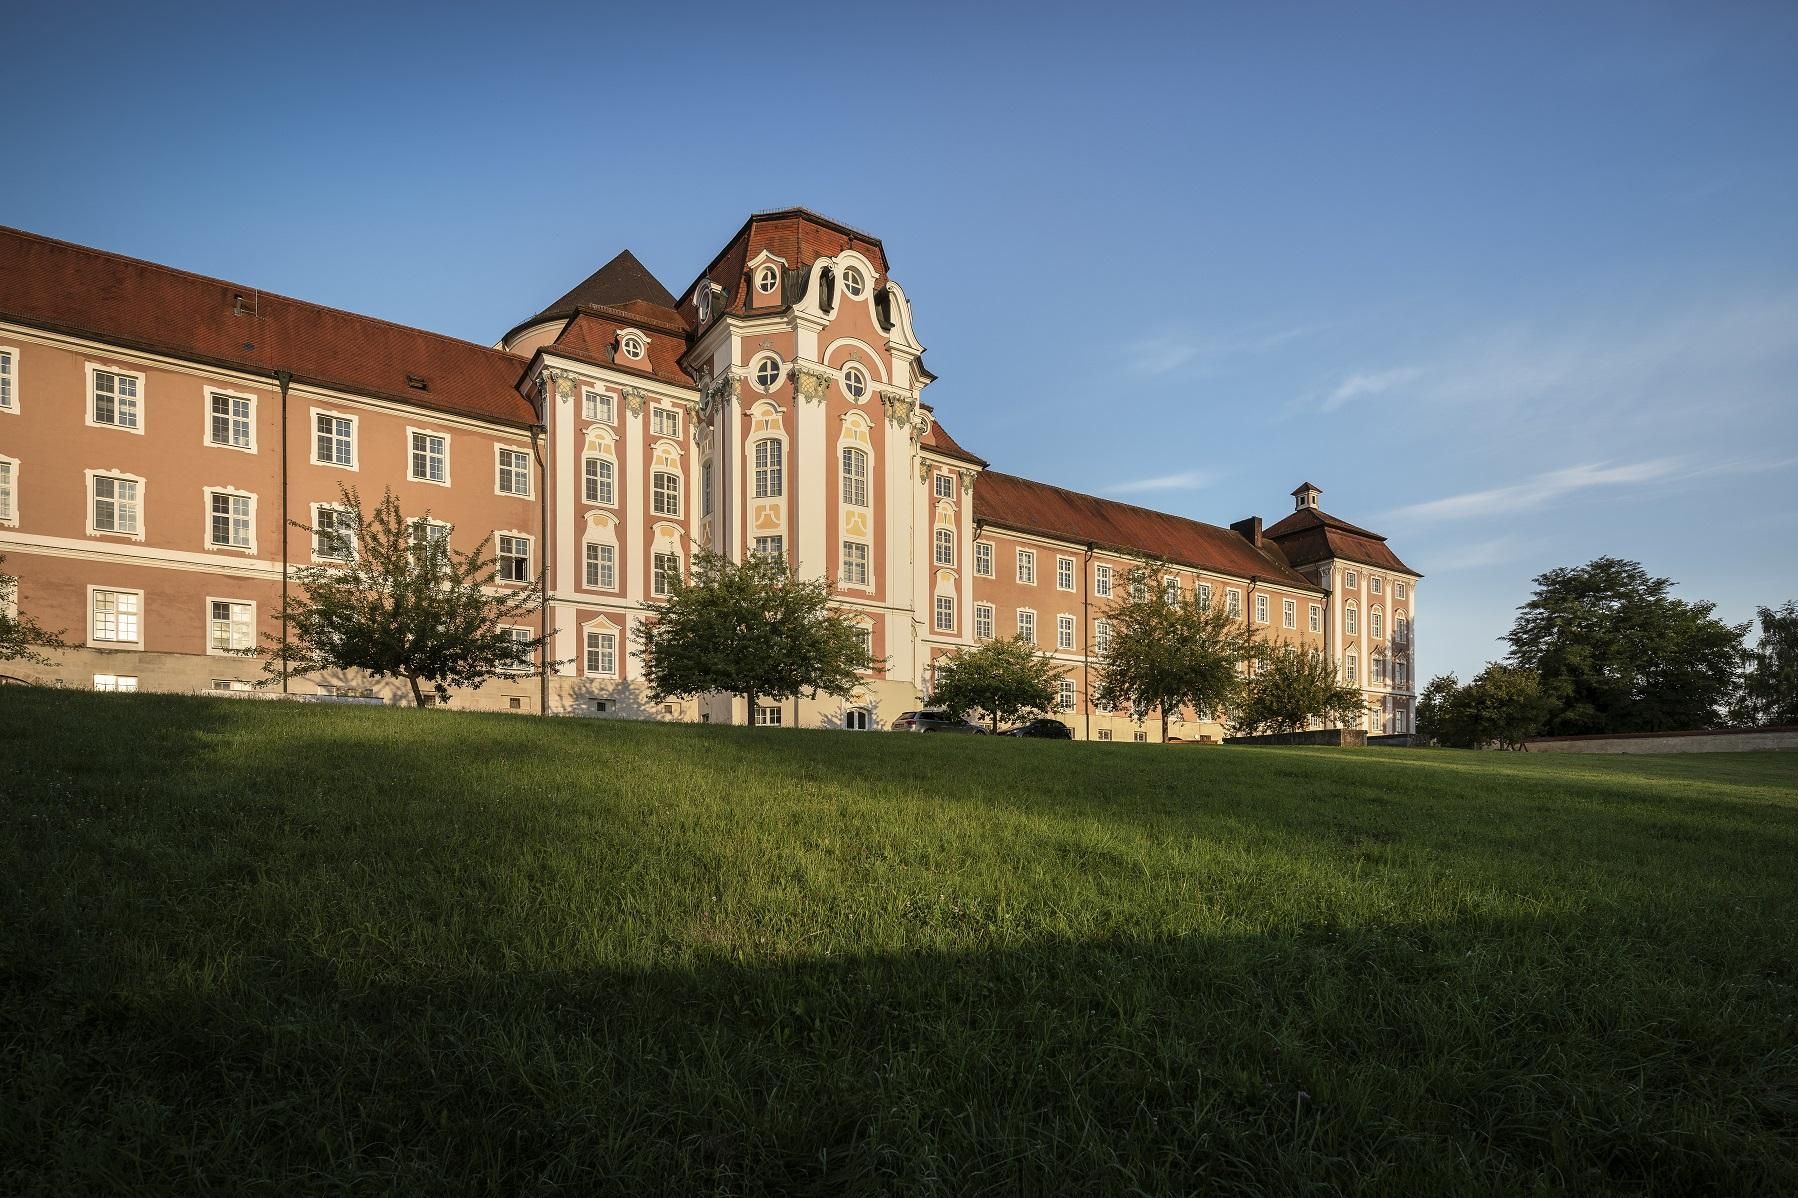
(1135, 507)
(195, 276)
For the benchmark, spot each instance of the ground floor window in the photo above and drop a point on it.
(857, 719)
(234, 686)
(767, 717)
(120, 683)
(602, 653)
(1104, 734)
(1140, 737)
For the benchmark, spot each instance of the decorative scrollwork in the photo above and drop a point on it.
(812, 383)
(634, 398)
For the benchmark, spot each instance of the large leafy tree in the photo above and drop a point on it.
(22, 638)
(1168, 653)
(401, 603)
(1615, 652)
(1770, 682)
(1436, 712)
(749, 628)
(1503, 705)
(1001, 679)
(1291, 686)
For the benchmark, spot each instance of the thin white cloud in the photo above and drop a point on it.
(1174, 352)
(1355, 386)
(1538, 491)
(1478, 555)
(1187, 480)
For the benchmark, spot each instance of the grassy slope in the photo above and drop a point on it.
(251, 944)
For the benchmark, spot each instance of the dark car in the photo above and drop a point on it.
(1042, 729)
(933, 721)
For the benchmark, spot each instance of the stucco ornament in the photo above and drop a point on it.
(900, 406)
(561, 380)
(812, 383)
(923, 470)
(967, 481)
(634, 398)
(920, 424)
(717, 394)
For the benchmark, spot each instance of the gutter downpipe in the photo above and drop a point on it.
(1086, 640)
(541, 451)
(284, 378)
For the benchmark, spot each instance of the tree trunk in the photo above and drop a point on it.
(418, 696)
(1164, 725)
(995, 719)
(749, 708)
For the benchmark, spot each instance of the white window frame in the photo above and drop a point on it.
(661, 498)
(668, 572)
(117, 476)
(984, 625)
(1351, 620)
(93, 371)
(1101, 636)
(598, 407)
(942, 604)
(865, 565)
(983, 559)
(1021, 621)
(1102, 579)
(1065, 696)
(1205, 595)
(854, 382)
(943, 485)
(1027, 565)
(1400, 590)
(211, 649)
(769, 458)
(213, 393)
(1376, 622)
(1263, 609)
(1064, 631)
(1233, 602)
(1289, 614)
(942, 542)
(1375, 585)
(500, 537)
(633, 345)
(767, 715)
(593, 566)
(355, 439)
(604, 492)
(9, 381)
(324, 559)
(590, 650)
(660, 416)
(521, 666)
(767, 278)
(9, 514)
(1064, 572)
(93, 637)
(857, 488)
(1317, 617)
(115, 683)
(1170, 589)
(500, 450)
(766, 364)
(1350, 580)
(233, 494)
(772, 546)
(411, 432)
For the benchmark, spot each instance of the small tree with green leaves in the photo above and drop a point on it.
(1769, 693)
(1437, 714)
(749, 628)
(1504, 705)
(399, 602)
(1291, 686)
(1168, 653)
(21, 637)
(1002, 680)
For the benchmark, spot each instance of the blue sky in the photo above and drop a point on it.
(1517, 286)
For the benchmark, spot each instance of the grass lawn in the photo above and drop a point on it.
(255, 947)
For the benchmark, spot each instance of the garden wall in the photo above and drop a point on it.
(1722, 740)
(1321, 736)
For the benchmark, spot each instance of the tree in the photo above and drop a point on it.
(1166, 654)
(1002, 679)
(21, 637)
(403, 604)
(749, 628)
(1291, 686)
(1770, 681)
(1503, 705)
(1616, 653)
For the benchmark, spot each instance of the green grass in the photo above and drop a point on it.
(258, 947)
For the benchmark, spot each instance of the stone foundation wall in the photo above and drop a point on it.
(1725, 740)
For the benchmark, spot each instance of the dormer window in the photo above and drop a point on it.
(632, 346)
(767, 279)
(854, 283)
(855, 382)
(703, 301)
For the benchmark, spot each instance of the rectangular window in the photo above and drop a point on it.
(333, 534)
(514, 472)
(429, 459)
(9, 482)
(705, 488)
(334, 443)
(1379, 671)
(945, 547)
(602, 567)
(1398, 590)
(602, 653)
(1102, 581)
(1104, 734)
(855, 564)
(945, 486)
(1064, 694)
(1027, 626)
(1064, 573)
(427, 532)
(664, 422)
(773, 548)
(1374, 584)
(983, 559)
(1348, 580)
(1233, 602)
(665, 493)
(767, 717)
(1170, 590)
(230, 626)
(1351, 620)
(597, 481)
(983, 621)
(1260, 609)
(117, 617)
(1141, 738)
(524, 656)
(596, 407)
(769, 482)
(664, 569)
(514, 558)
(1064, 632)
(1102, 636)
(1027, 566)
(232, 686)
(1400, 674)
(232, 422)
(855, 477)
(945, 613)
(8, 380)
(232, 520)
(1289, 613)
(1205, 595)
(1351, 669)
(115, 505)
(118, 683)
(1317, 618)
(115, 400)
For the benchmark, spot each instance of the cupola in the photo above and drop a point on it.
(1305, 496)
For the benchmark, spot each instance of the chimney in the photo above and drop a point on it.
(1250, 530)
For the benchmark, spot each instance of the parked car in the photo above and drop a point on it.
(1043, 729)
(934, 721)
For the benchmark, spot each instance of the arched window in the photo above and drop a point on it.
(1399, 629)
(598, 480)
(855, 477)
(1351, 671)
(945, 547)
(1351, 620)
(767, 468)
(665, 494)
(857, 719)
(1376, 622)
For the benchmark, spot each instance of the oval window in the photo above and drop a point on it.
(767, 279)
(632, 346)
(767, 373)
(853, 283)
(855, 382)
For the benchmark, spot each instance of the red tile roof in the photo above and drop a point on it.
(1308, 536)
(72, 289)
(1018, 503)
(592, 333)
(937, 438)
